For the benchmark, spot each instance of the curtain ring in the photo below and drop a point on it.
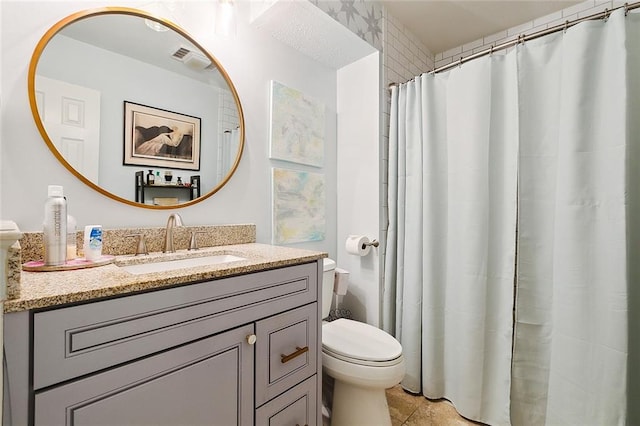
(460, 62)
(607, 12)
(626, 9)
(491, 50)
(566, 25)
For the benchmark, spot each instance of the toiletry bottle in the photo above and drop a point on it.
(92, 242)
(72, 246)
(55, 227)
(150, 178)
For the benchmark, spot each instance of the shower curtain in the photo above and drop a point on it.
(227, 150)
(508, 271)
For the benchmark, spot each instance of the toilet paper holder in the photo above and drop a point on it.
(359, 245)
(373, 243)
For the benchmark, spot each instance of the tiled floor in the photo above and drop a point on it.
(416, 410)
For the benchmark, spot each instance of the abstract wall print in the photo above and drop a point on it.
(297, 126)
(298, 206)
(159, 138)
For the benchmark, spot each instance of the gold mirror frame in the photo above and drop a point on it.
(139, 13)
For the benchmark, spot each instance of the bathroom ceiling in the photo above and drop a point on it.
(444, 24)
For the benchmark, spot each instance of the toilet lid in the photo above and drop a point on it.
(358, 340)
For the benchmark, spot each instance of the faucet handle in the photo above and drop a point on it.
(193, 243)
(141, 247)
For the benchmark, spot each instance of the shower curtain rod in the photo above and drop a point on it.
(522, 37)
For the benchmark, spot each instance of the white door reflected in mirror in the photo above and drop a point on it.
(71, 115)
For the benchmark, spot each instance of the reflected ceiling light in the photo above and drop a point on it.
(225, 18)
(155, 26)
(159, 10)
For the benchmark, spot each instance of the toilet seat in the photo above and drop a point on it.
(360, 343)
(362, 362)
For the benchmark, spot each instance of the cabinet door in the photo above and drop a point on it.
(207, 382)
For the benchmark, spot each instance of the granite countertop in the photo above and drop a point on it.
(47, 289)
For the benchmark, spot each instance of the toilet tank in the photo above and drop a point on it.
(328, 277)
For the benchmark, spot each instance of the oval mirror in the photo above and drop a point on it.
(136, 108)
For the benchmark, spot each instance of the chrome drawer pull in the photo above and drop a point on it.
(299, 351)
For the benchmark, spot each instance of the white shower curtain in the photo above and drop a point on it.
(536, 140)
(227, 150)
(572, 262)
(457, 157)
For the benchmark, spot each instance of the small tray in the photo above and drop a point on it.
(79, 263)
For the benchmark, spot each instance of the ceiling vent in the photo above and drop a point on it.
(179, 54)
(192, 59)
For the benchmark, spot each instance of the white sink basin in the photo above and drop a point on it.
(170, 265)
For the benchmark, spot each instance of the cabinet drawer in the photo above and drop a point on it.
(295, 407)
(286, 351)
(74, 341)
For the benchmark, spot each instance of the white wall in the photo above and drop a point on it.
(358, 182)
(252, 59)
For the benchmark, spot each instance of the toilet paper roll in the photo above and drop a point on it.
(356, 245)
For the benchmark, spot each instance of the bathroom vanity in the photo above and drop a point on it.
(227, 344)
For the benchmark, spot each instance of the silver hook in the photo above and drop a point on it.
(460, 62)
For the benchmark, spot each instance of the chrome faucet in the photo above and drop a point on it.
(174, 220)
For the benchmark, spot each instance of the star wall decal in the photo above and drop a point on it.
(373, 25)
(349, 8)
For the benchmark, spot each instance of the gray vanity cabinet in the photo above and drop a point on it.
(240, 350)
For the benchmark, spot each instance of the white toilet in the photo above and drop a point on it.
(363, 361)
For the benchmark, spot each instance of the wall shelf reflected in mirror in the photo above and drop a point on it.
(182, 192)
(131, 64)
